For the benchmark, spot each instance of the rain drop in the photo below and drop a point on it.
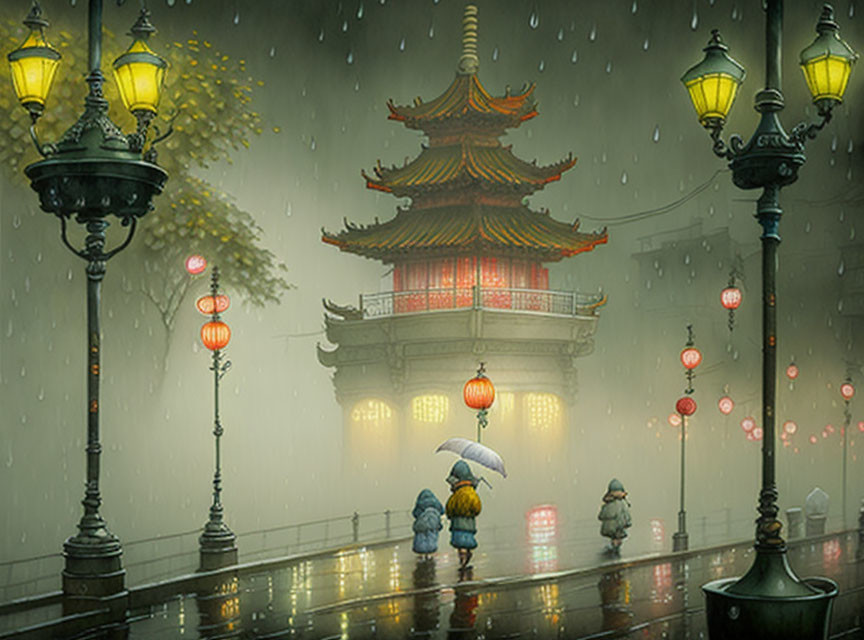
(841, 269)
(344, 26)
(687, 258)
(734, 13)
(402, 44)
(560, 34)
(624, 178)
(170, 3)
(807, 227)
(849, 146)
(694, 21)
(360, 11)
(576, 100)
(634, 7)
(533, 19)
(541, 66)
(656, 135)
(575, 57)
(272, 52)
(834, 144)
(851, 10)
(592, 36)
(645, 45)
(495, 54)
(313, 145)
(321, 35)
(237, 18)
(431, 30)
(350, 57)
(16, 221)
(609, 67)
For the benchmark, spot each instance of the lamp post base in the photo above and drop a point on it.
(680, 541)
(217, 547)
(93, 576)
(769, 603)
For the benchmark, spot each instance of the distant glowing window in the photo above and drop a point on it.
(372, 414)
(430, 408)
(542, 524)
(543, 410)
(505, 402)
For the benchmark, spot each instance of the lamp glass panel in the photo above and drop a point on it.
(827, 76)
(140, 83)
(713, 95)
(32, 75)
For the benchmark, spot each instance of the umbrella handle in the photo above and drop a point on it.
(482, 479)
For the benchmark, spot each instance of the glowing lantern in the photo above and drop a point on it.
(139, 72)
(847, 391)
(725, 404)
(861, 427)
(748, 424)
(691, 357)
(686, 406)
(829, 428)
(195, 264)
(792, 371)
(674, 420)
(34, 65)
(730, 298)
(215, 335)
(479, 393)
(713, 83)
(757, 433)
(827, 63)
(212, 304)
(813, 440)
(789, 427)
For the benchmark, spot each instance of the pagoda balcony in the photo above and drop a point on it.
(524, 301)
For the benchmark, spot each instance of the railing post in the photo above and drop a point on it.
(355, 526)
(573, 298)
(387, 524)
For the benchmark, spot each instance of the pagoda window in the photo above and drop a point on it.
(432, 408)
(544, 412)
(372, 416)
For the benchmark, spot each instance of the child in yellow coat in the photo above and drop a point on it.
(462, 508)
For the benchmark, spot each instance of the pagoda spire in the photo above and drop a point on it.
(469, 63)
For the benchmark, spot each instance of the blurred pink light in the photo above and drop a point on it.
(725, 404)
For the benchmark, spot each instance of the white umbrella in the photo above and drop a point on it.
(471, 450)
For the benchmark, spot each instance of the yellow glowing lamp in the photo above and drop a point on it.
(714, 82)
(34, 64)
(140, 72)
(827, 62)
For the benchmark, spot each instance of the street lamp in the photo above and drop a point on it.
(92, 172)
(217, 544)
(479, 394)
(847, 391)
(770, 600)
(685, 407)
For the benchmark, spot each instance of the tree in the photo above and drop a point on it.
(207, 105)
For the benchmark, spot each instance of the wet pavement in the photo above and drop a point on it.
(515, 590)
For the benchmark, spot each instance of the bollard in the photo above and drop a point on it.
(355, 525)
(794, 520)
(816, 525)
(387, 524)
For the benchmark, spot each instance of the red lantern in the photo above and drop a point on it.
(829, 428)
(725, 404)
(691, 357)
(861, 427)
(195, 264)
(813, 440)
(730, 298)
(674, 420)
(213, 304)
(215, 335)
(748, 424)
(792, 371)
(789, 427)
(479, 393)
(847, 391)
(686, 406)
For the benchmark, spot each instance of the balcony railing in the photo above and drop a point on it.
(539, 301)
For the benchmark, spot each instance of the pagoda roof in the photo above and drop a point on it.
(466, 97)
(461, 164)
(466, 229)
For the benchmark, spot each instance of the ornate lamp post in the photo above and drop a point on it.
(847, 391)
(686, 406)
(479, 394)
(93, 171)
(217, 545)
(770, 601)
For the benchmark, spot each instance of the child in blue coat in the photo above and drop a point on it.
(427, 523)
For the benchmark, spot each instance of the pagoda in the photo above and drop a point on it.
(469, 281)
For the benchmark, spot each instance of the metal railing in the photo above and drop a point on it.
(539, 301)
(159, 557)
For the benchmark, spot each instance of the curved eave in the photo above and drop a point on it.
(465, 96)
